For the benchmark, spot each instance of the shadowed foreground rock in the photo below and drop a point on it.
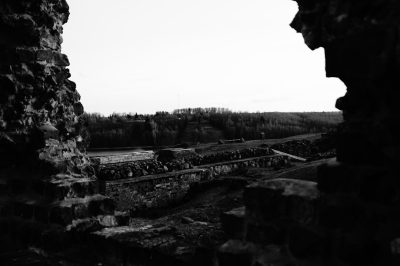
(360, 191)
(356, 219)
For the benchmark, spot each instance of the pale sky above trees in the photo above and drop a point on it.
(151, 55)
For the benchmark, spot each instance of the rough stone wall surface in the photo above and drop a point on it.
(155, 191)
(357, 220)
(224, 168)
(362, 48)
(45, 179)
(38, 102)
(134, 168)
(121, 158)
(360, 192)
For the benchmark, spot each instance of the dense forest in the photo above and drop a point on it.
(198, 125)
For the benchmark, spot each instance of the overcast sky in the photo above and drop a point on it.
(151, 55)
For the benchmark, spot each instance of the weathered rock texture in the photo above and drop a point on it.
(46, 181)
(37, 100)
(351, 217)
(160, 190)
(315, 150)
(120, 167)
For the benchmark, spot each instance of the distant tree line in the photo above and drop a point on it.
(163, 128)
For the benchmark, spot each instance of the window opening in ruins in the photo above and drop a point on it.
(148, 56)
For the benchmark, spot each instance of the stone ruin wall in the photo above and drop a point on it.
(360, 192)
(361, 45)
(161, 190)
(37, 99)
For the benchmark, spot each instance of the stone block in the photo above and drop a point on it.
(175, 153)
(52, 57)
(282, 198)
(336, 177)
(44, 55)
(235, 252)
(107, 220)
(83, 226)
(48, 131)
(65, 211)
(266, 232)
(273, 206)
(64, 186)
(239, 253)
(308, 242)
(143, 159)
(346, 211)
(8, 87)
(233, 223)
(78, 109)
(358, 247)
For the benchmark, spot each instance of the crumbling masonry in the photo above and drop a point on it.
(44, 175)
(360, 192)
(352, 217)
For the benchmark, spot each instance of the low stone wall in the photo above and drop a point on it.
(153, 191)
(130, 169)
(124, 166)
(156, 191)
(123, 157)
(310, 150)
(231, 155)
(223, 168)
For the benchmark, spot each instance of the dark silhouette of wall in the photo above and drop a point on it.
(360, 191)
(350, 216)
